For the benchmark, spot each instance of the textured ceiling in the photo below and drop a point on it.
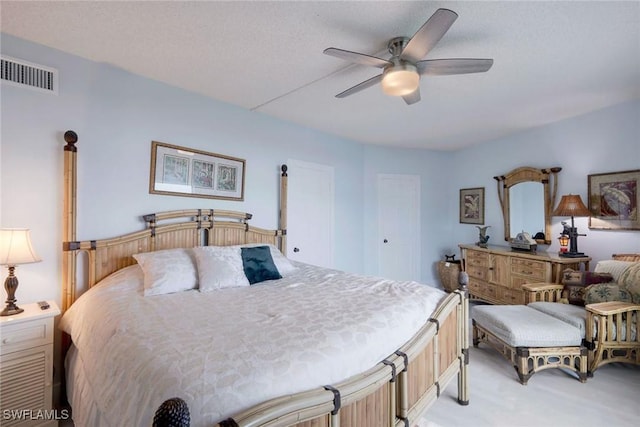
(552, 60)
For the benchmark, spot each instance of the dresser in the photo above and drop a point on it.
(26, 367)
(497, 273)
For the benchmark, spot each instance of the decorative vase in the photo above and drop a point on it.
(448, 271)
(482, 236)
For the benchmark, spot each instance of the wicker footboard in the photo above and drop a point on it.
(394, 393)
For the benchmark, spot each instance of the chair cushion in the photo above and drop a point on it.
(604, 292)
(523, 326)
(575, 283)
(630, 281)
(571, 314)
(615, 267)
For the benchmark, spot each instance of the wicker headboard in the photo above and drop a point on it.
(164, 230)
(626, 257)
(172, 229)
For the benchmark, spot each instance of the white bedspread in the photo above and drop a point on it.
(230, 349)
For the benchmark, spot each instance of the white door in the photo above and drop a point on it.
(399, 226)
(310, 213)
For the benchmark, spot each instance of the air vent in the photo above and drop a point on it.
(21, 73)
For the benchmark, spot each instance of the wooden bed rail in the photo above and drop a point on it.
(399, 388)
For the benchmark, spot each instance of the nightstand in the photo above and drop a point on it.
(26, 367)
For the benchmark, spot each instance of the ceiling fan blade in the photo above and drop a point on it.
(442, 67)
(358, 58)
(360, 86)
(428, 35)
(413, 97)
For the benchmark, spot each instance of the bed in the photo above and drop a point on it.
(316, 347)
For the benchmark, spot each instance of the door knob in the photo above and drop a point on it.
(296, 250)
(385, 241)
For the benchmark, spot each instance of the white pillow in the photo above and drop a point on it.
(219, 267)
(282, 263)
(167, 271)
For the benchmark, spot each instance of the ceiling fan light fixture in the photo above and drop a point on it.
(400, 80)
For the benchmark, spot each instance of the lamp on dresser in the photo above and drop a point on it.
(564, 241)
(15, 248)
(571, 205)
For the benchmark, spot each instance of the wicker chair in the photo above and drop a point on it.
(612, 328)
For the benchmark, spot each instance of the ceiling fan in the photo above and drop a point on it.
(401, 73)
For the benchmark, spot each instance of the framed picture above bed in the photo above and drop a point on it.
(472, 205)
(181, 171)
(613, 200)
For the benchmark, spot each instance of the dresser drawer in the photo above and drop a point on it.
(477, 272)
(475, 287)
(518, 281)
(23, 335)
(477, 259)
(511, 296)
(482, 289)
(530, 269)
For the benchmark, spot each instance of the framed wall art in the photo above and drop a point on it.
(613, 200)
(472, 205)
(180, 171)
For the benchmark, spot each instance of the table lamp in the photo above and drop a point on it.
(571, 205)
(15, 248)
(564, 243)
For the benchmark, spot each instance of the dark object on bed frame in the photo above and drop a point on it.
(172, 413)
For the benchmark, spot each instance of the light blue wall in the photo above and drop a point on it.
(604, 141)
(117, 115)
(436, 214)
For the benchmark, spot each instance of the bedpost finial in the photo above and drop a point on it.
(70, 138)
(284, 168)
(463, 281)
(173, 412)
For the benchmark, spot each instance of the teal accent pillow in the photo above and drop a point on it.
(258, 264)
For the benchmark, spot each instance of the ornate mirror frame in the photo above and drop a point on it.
(549, 180)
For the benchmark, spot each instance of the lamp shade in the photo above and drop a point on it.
(571, 205)
(15, 247)
(400, 80)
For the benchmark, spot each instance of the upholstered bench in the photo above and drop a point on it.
(530, 339)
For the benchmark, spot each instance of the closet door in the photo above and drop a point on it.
(399, 226)
(310, 213)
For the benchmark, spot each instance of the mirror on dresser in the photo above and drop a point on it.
(527, 196)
